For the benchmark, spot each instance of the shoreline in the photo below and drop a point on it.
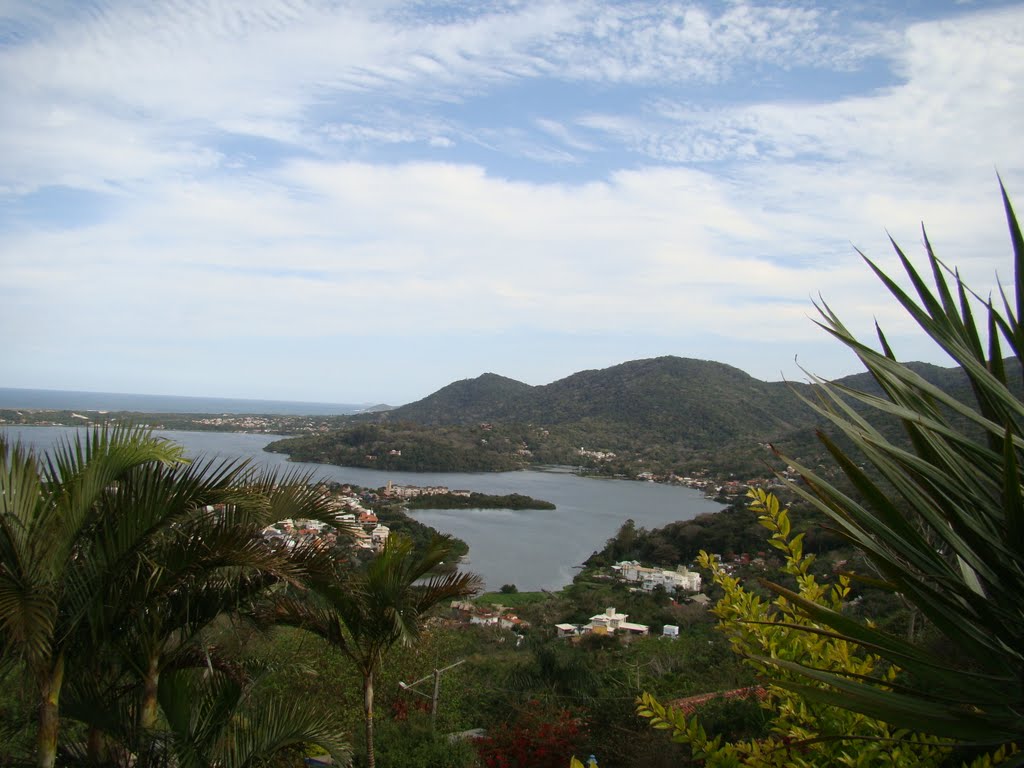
(722, 490)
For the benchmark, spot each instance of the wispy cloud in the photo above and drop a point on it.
(315, 175)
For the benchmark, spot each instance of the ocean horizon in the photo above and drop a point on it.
(63, 400)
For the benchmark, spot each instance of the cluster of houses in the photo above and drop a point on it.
(729, 489)
(366, 532)
(280, 424)
(393, 491)
(613, 623)
(597, 455)
(607, 623)
(471, 613)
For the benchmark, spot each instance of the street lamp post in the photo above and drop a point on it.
(411, 687)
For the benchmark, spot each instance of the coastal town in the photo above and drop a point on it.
(357, 524)
(359, 531)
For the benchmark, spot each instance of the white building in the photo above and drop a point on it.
(567, 630)
(379, 535)
(609, 622)
(682, 578)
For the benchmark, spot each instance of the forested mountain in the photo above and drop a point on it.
(697, 401)
(665, 414)
(488, 396)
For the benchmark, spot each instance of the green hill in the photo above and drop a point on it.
(468, 401)
(661, 414)
(696, 402)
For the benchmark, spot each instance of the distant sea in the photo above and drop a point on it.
(64, 400)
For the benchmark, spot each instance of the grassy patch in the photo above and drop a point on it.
(512, 600)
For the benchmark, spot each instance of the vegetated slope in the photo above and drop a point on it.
(697, 402)
(662, 414)
(672, 399)
(952, 381)
(485, 398)
(402, 447)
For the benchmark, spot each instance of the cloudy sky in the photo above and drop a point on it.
(364, 201)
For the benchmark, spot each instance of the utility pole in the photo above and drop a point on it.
(437, 689)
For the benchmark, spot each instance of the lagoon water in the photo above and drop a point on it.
(532, 549)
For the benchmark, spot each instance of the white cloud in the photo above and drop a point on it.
(734, 217)
(962, 98)
(162, 77)
(324, 247)
(565, 135)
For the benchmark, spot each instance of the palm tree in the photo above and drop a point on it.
(941, 518)
(220, 717)
(367, 612)
(48, 513)
(219, 720)
(185, 550)
(110, 570)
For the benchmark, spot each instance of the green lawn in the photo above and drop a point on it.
(513, 599)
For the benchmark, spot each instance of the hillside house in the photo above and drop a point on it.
(567, 630)
(610, 622)
(467, 611)
(702, 600)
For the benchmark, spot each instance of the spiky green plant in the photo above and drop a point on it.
(941, 518)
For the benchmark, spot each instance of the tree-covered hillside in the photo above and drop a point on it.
(664, 415)
(697, 402)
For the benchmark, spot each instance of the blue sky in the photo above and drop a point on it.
(362, 202)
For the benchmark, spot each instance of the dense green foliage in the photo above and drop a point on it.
(666, 416)
(942, 523)
(477, 501)
(664, 397)
(728, 532)
(395, 518)
(409, 742)
(814, 734)
(364, 613)
(115, 557)
(405, 448)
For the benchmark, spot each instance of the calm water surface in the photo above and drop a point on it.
(533, 549)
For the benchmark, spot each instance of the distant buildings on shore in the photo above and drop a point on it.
(354, 522)
(393, 491)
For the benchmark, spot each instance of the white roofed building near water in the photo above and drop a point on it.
(681, 579)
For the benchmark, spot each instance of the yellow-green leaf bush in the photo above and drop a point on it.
(801, 733)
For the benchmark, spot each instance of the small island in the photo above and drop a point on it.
(475, 500)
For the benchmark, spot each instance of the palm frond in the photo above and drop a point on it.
(216, 721)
